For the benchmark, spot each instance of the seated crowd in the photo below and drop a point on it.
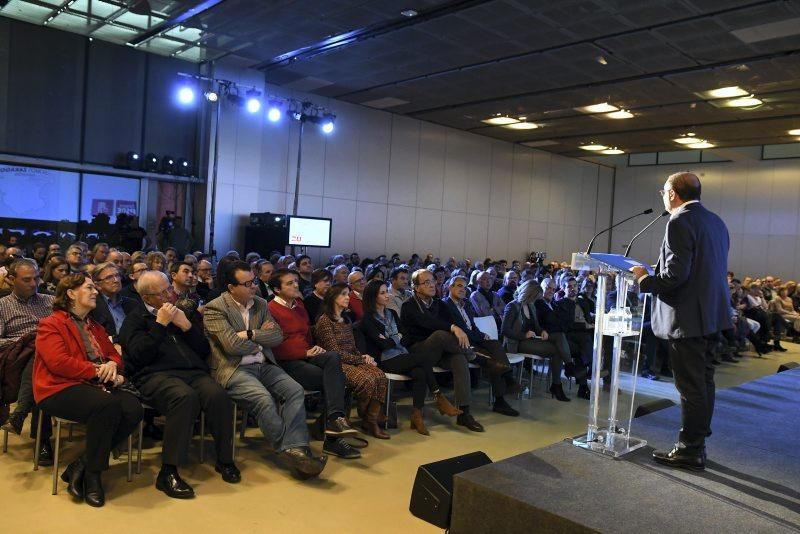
(108, 339)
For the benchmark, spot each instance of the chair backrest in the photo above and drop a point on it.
(487, 325)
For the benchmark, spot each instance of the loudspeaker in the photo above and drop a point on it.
(788, 365)
(432, 495)
(264, 240)
(653, 406)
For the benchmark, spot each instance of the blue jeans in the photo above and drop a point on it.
(275, 399)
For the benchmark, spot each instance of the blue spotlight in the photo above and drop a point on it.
(185, 95)
(253, 103)
(274, 114)
(327, 123)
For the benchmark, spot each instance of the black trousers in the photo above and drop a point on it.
(180, 395)
(694, 379)
(445, 346)
(320, 373)
(418, 365)
(109, 418)
(494, 349)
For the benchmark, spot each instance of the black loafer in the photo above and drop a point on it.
(502, 407)
(230, 473)
(73, 476)
(466, 420)
(339, 447)
(45, 453)
(173, 485)
(302, 462)
(93, 492)
(692, 458)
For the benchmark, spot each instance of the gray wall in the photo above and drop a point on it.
(394, 184)
(758, 200)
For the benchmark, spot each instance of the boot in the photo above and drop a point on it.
(370, 422)
(418, 422)
(444, 406)
(93, 492)
(576, 371)
(776, 344)
(583, 391)
(73, 475)
(557, 392)
(361, 408)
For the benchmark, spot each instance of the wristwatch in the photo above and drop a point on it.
(250, 334)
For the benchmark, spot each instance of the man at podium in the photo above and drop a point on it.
(690, 304)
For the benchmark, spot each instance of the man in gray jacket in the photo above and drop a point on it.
(241, 331)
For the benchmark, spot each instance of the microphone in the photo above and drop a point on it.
(651, 223)
(591, 243)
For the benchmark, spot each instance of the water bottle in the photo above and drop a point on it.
(627, 320)
(612, 322)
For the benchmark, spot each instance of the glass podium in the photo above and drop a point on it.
(609, 432)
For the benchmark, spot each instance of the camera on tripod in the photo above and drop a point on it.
(537, 258)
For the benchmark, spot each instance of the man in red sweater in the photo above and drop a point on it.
(310, 365)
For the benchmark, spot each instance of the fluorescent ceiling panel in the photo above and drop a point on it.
(771, 30)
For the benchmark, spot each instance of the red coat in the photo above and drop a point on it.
(61, 359)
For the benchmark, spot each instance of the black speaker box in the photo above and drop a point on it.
(265, 239)
(432, 495)
(653, 406)
(788, 365)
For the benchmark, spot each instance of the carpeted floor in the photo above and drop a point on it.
(367, 495)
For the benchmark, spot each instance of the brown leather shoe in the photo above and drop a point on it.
(418, 422)
(370, 422)
(444, 406)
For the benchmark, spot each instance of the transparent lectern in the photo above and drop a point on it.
(623, 323)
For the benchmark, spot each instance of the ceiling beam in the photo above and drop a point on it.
(368, 32)
(187, 11)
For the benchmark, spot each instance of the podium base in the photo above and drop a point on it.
(619, 444)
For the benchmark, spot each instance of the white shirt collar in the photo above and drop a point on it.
(284, 303)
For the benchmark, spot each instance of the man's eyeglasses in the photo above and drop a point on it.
(109, 278)
(164, 294)
(247, 284)
(428, 283)
(662, 192)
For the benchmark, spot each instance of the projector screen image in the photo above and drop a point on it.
(309, 231)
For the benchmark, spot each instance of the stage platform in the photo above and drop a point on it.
(751, 482)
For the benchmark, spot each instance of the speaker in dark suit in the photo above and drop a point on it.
(691, 303)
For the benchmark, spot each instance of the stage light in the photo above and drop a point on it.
(168, 165)
(253, 104)
(211, 96)
(133, 160)
(274, 114)
(327, 123)
(185, 95)
(184, 169)
(151, 163)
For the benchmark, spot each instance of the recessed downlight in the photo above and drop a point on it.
(612, 151)
(500, 120)
(744, 102)
(701, 144)
(521, 126)
(727, 92)
(794, 132)
(621, 114)
(594, 147)
(605, 107)
(685, 140)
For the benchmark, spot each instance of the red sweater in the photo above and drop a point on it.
(61, 359)
(356, 306)
(296, 331)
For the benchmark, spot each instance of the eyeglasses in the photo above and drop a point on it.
(661, 192)
(247, 284)
(109, 278)
(137, 271)
(164, 293)
(428, 283)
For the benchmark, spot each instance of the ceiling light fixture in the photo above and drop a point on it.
(500, 120)
(701, 144)
(621, 114)
(522, 126)
(794, 132)
(726, 92)
(612, 151)
(685, 140)
(409, 13)
(594, 147)
(601, 60)
(605, 107)
(749, 101)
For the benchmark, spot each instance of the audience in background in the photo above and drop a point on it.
(54, 271)
(485, 301)
(320, 282)
(304, 269)
(398, 289)
(510, 281)
(357, 282)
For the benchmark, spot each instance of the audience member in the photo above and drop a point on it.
(76, 258)
(304, 270)
(263, 271)
(357, 283)
(320, 282)
(77, 375)
(205, 279)
(100, 253)
(134, 272)
(165, 356)
(242, 333)
(510, 281)
(54, 271)
(156, 261)
(485, 302)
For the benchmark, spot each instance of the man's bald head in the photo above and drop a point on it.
(686, 185)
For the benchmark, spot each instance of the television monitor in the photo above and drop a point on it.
(310, 231)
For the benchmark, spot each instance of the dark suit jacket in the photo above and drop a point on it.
(454, 316)
(102, 314)
(690, 285)
(417, 323)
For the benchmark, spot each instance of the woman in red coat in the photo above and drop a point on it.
(75, 376)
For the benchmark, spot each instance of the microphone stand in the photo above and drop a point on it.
(591, 243)
(651, 223)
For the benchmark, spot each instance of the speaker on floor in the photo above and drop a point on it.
(652, 406)
(788, 365)
(432, 495)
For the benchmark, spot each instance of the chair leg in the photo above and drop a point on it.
(5, 441)
(233, 434)
(38, 441)
(386, 404)
(69, 433)
(530, 379)
(139, 454)
(202, 436)
(130, 457)
(243, 428)
(56, 454)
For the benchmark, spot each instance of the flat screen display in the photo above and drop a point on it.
(310, 231)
